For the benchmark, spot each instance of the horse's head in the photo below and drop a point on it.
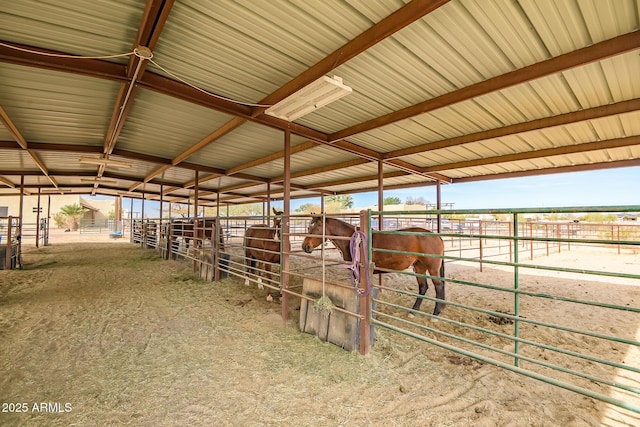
(277, 224)
(313, 241)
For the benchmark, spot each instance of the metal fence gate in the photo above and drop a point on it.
(535, 298)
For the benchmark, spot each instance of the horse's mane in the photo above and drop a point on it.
(344, 229)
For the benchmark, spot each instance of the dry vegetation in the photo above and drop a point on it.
(126, 338)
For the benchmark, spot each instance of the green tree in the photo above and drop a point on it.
(343, 201)
(308, 208)
(391, 201)
(249, 209)
(60, 219)
(74, 213)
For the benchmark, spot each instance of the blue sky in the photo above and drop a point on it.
(595, 188)
(610, 187)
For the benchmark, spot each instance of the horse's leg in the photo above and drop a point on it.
(438, 284)
(260, 266)
(249, 260)
(268, 276)
(420, 269)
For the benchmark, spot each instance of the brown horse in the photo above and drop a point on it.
(262, 246)
(422, 242)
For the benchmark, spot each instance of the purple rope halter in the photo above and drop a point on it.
(357, 239)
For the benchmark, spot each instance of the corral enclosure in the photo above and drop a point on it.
(126, 337)
(405, 381)
(528, 339)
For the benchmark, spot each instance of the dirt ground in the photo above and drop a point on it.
(101, 332)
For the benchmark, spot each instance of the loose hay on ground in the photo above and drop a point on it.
(130, 339)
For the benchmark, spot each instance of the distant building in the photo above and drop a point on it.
(97, 210)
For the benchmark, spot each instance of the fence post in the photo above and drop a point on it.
(216, 247)
(170, 240)
(365, 301)
(195, 244)
(546, 236)
(516, 295)
(285, 248)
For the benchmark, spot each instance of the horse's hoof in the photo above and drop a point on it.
(260, 285)
(435, 319)
(411, 316)
(246, 282)
(269, 298)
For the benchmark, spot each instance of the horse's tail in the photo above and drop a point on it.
(442, 270)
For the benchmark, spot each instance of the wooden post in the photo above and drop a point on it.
(21, 217)
(161, 202)
(365, 301)
(215, 249)
(169, 239)
(285, 238)
(219, 240)
(546, 236)
(196, 233)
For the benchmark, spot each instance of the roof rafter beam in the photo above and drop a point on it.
(323, 169)
(412, 169)
(7, 182)
(271, 157)
(154, 17)
(13, 130)
(87, 67)
(553, 170)
(386, 27)
(396, 21)
(218, 133)
(223, 130)
(547, 122)
(595, 52)
(150, 176)
(166, 86)
(201, 180)
(22, 142)
(547, 152)
(365, 178)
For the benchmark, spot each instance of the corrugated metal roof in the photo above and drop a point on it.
(77, 27)
(465, 90)
(55, 107)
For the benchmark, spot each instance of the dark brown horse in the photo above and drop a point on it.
(262, 246)
(422, 242)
